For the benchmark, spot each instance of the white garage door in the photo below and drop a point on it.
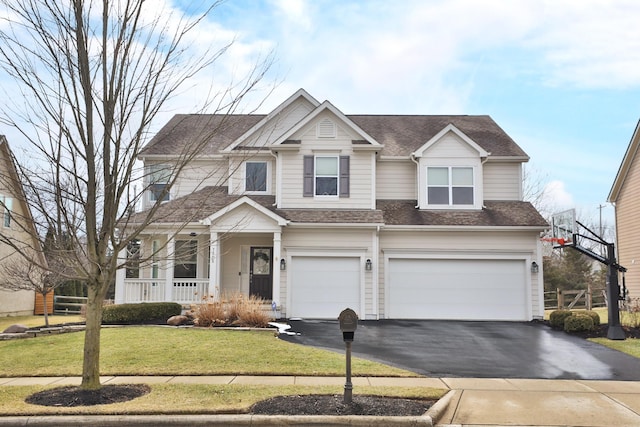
(321, 287)
(457, 289)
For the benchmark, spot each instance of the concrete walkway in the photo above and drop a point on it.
(470, 402)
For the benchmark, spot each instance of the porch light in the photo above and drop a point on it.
(368, 265)
(534, 267)
(283, 264)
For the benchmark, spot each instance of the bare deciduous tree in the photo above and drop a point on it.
(93, 76)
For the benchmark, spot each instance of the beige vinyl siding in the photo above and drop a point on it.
(628, 228)
(331, 242)
(502, 181)
(199, 174)
(396, 180)
(461, 244)
(450, 146)
(279, 124)
(360, 176)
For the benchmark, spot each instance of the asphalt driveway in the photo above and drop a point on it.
(439, 348)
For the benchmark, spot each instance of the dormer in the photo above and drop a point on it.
(450, 171)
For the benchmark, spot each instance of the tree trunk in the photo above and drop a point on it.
(91, 364)
(44, 309)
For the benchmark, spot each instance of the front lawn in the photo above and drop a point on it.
(33, 321)
(154, 350)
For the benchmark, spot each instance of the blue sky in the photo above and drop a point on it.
(561, 77)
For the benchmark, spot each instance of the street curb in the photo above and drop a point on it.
(212, 420)
(441, 406)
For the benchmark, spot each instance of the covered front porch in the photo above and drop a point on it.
(234, 251)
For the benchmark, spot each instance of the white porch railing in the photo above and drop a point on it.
(183, 291)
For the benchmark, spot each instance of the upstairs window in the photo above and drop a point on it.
(255, 176)
(326, 176)
(159, 176)
(450, 186)
(6, 203)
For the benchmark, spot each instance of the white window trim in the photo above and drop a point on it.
(451, 163)
(337, 176)
(149, 175)
(450, 186)
(268, 177)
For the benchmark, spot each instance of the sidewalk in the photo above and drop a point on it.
(470, 402)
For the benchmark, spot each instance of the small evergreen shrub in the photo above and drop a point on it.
(131, 314)
(578, 323)
(595, 316)
(557, 318)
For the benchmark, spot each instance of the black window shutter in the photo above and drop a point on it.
(307, 176)
(344, 176)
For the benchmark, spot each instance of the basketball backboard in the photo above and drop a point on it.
(563, 225)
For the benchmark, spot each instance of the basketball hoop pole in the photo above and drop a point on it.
(615, 331)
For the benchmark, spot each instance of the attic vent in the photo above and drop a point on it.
(326, 129)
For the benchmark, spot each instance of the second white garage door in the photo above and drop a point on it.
(468, 289)
(321, 287)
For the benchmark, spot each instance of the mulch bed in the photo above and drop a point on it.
(320, 404)
(75, 396)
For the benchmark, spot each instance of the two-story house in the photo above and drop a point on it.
(393, 216)
(625, 195)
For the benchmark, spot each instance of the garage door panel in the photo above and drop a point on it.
(457, 289)
(321, 287)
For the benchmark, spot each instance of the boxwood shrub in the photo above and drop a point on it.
(146, 312)
(557, 318)
(594, 316)
(578, 323)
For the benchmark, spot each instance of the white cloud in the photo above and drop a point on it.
(556, 197)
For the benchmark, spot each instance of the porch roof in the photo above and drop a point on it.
(203, 203)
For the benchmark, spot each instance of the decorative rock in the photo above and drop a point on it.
(177, 320)
(15, 329)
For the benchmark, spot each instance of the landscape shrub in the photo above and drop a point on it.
(557, 318)
(595, 316)
(234, 310)
(578, 323)
(147, 312)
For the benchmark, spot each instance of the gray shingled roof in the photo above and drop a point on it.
(508, 213)
(400, 135)
(203, 203)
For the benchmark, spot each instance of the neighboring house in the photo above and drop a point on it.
(15, 216)
(625, 195)
(393, 216)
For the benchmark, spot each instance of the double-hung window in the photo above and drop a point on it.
(326, 176)
(6, 205)
(186, 259)
(159, 176)
(450, 186)
(255, 177)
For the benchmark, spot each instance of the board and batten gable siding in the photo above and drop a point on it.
(330, 242)
(628, 228)
(396, 180)
(502, 181)
(461, 245)
(199, 174)
(279, 124)
(361, 163)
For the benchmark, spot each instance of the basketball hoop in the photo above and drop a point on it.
(559, 240)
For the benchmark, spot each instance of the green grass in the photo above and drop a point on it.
(186, 351)
(630, 346)
(194, 399)
(32, 321)
(153, 350)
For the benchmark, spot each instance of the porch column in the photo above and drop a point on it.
(277, 248)
(168, 275)
(214, 265)
(121, 275)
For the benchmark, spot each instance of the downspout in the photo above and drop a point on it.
(412, 156)
(482, 162)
